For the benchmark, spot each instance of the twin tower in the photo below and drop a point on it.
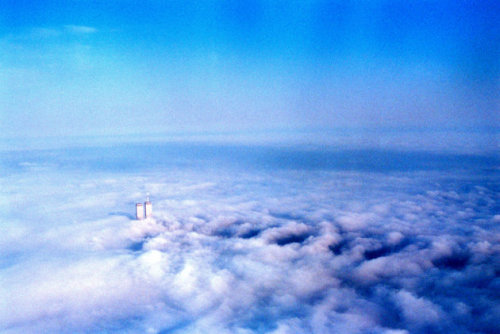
(143, 211)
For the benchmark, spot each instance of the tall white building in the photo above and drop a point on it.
(149, 208)
(143, 210)
(139, 211)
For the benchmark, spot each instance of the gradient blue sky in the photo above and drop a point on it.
(129, 67)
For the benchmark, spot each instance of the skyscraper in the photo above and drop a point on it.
(149, 208)
(139, 211)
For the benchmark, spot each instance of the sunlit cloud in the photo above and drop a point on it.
(248, 250)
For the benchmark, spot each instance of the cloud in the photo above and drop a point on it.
(48, 33)
(75, 29)
(417, 310)
(246, 250)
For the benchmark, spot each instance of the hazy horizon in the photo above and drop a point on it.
(465, 141)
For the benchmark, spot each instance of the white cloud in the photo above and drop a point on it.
(246, 251)
(417, 310)
(75, 29)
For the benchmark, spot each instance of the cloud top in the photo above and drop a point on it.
(248, 250)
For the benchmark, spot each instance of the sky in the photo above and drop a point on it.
(123, 67)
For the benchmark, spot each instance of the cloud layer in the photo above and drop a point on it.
(248, 250)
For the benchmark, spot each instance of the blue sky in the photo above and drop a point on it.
(84, 68)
